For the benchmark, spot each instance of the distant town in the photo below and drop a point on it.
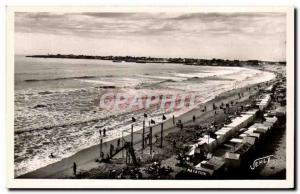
(187, 61)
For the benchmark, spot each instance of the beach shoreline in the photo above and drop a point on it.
(89, 155)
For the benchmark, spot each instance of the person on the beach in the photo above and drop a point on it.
(227, 107)
(174, 144)
(100, 131)
(194, 118)
(74, 168)
(104, 132)
(102, 155)
(173, 120)
(156, 138)
(205, 108)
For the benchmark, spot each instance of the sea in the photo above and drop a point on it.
(57, 101)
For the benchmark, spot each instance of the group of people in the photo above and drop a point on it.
(104, 132)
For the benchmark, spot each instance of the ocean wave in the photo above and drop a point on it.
(61, 78)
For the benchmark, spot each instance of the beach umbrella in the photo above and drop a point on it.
(133, 119)
(145, 115)
(164, 117)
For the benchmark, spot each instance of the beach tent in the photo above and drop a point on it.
(207, 143)
(191, 151)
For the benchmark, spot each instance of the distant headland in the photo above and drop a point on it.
(186, 61)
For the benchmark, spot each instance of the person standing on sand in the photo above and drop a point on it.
(194, 118)
(173, 120)
(74, 168)
(174, 144)
(104, 132)
(100, 131)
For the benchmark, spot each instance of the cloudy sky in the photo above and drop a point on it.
(200, 35)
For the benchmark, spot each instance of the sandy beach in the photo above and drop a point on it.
(85, 159)
(159, 97)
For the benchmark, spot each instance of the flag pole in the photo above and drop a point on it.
(131, 134)
(143, 135)
(161, 134)
(150, 141)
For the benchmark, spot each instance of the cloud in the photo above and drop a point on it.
(141, 24)
(161, 33)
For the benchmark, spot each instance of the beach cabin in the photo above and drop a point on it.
(272, 120)
(254, 135)
(234, 143)
(223, 135)
(232, 161)
(243, 135)
(258, 128)
(244, 150)
(236, 140)
(252, 112)
(212, 167)
(262, 127)
(264, 102)
(251, 140)
(240, 122)
(279, 112)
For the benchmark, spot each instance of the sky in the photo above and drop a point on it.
(235, 35)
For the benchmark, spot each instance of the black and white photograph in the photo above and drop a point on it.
(128, 96)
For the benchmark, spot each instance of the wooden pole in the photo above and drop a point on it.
(143, 135)
(131, 141)
(150, 141)
(101, 142)
(123, 145)
(161, 134)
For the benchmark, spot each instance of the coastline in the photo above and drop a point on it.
(88, 156)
